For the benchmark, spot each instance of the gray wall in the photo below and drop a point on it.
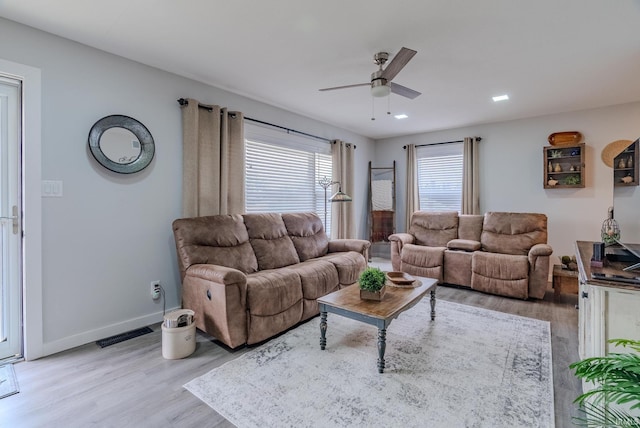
(110, 234)
(511, 169)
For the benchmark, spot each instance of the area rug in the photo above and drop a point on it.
(8, 381)
(470, 367)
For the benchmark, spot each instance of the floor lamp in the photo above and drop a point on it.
(339, 196)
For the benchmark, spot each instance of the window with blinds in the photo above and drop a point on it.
(282, 172)
(440, 177)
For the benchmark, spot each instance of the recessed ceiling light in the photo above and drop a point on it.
(401, 116)
(501, 98)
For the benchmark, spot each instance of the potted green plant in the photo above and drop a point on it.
(372, 284)
(617, 379)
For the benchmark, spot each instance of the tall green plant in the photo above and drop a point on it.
(617, 379)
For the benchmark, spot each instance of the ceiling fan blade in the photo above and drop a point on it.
(397, 63)
(345, 87)
(403, 91)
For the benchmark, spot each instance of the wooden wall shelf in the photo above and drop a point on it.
(625, 167)
(563, 166)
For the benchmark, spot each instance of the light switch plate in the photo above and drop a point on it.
(51, 188)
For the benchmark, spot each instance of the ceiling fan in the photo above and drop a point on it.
(381, 80)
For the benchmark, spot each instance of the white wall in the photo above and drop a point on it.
(110, 234)
(511, 168)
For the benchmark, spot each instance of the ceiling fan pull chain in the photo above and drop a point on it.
(389, 103)
(373, 112)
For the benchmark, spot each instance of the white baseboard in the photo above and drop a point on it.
(102, 333)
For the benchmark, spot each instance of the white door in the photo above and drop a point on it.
(10, 220)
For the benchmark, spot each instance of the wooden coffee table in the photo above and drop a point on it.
(347, 302)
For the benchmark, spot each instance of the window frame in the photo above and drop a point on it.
(283, 184)
(444, 163)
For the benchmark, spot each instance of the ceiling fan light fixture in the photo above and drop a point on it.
(380, 91)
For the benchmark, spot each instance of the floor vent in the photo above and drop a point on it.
(122, 337)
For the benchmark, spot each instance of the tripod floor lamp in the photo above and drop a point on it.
(339, 196)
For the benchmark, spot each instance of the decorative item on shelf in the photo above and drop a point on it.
(622, 164)
(572, 168)
(610, 231)
(557, 168)
(549, 167)
(572, 180)
(630, 162)
(575, 152)
(612, 150)
(555, 154)
(372, 284)
(552, 181)
(628, 179)
(566, 138)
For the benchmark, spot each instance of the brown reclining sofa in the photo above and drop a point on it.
(500, 253)
(249, 277)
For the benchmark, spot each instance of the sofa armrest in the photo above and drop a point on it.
(220, 276)
(402, 238)
(539, 269)
(397, 241)
(539, 250)
(358, 245)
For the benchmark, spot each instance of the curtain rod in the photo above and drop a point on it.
(444, 142)
(184, 102)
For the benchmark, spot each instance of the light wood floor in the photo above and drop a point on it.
(129, 384)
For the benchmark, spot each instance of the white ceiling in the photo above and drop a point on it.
(550, 56)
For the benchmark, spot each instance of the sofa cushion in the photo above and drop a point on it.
(218, 240)
(318, 277)
(503, 274)
(434, 229)
(349, 265)
(513, 233)
(271, 243)
(307, 233)
(422, 261)
(274, 303)
(270, 292)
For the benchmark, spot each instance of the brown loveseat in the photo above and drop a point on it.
(499, 252)
(249, 277)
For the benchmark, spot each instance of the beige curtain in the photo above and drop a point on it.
(213, 160)
(342, 218)
(470, 181)
(413, 197)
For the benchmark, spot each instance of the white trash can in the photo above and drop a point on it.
(178, 342)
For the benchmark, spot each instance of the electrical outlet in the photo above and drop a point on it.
(155, 290)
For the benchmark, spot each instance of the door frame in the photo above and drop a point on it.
(11, 347)
(32, 303)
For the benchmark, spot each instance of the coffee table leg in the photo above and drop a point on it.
(382, 345)
(323, 330)
(433, 305)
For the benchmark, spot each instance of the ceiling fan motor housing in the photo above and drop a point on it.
(381, 58)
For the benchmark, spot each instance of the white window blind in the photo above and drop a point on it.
(440, 177)
(282, 172)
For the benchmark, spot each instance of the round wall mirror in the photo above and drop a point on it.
(121, 144)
